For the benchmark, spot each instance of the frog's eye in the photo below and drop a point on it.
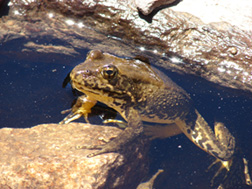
(109, 71)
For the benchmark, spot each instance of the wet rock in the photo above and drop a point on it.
(176, 41)
(45, 157)
(236, 13)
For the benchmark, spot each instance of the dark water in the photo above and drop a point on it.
(31, 93)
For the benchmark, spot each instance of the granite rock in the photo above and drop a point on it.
(176, 41)
(45, 156)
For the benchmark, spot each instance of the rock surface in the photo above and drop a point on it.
(45, 157)
(176, 41)
(237, 13)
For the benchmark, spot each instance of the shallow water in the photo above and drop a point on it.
(31, 93)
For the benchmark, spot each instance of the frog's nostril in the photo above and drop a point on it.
(88, 72)
(83, 72)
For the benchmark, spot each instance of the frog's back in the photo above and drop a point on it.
(165, 103)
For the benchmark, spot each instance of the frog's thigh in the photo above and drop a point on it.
(158, 131)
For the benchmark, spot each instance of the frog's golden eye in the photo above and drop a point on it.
(109, 71)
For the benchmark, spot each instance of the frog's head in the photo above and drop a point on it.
(112, 80)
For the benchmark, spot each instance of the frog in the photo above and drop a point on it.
(141, 93)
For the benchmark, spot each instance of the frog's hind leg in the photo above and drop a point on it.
(220, 144)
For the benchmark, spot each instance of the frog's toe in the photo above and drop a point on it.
(99, 152)
(90, 147)
(70, 117)
(102, 149)
(223, 166)
(120, 124)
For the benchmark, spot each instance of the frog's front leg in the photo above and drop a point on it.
(134, 129)
(82, 107)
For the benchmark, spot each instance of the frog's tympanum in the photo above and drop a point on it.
(141, 93)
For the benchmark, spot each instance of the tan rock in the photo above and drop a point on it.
(45, 156)
(177, 41)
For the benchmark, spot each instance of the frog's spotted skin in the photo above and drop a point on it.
(141, 93)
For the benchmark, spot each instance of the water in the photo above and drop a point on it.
(32, 93)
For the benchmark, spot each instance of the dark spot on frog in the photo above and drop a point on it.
(117, 103)
(188, 131)
(209, 147)
(201, 142)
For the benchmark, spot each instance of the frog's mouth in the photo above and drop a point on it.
(94, 89)
(103, 92)
(78, 86)
(83, 81)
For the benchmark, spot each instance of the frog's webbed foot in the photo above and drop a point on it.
(82, 107)
(104, 148)
(70, 117)
(224, 166)
(234, 175)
